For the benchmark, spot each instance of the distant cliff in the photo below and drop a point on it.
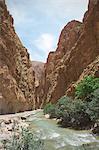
(77, 51)
(17, 78)
(38, 67)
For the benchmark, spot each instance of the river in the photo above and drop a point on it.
(57, 138)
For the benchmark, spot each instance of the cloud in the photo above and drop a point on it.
(45, 42)
(54, 9)
(39, 22)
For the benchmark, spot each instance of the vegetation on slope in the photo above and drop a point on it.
(80, 112)
(87, 86)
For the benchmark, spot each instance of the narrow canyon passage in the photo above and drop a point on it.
(27, 87)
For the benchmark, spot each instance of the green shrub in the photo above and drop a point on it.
(72, 113)
(26, 141)
(83, 110)
(79, 106)
(50, 109)
(78, 113)
(63, 105)
(93, 106)
(88, 85)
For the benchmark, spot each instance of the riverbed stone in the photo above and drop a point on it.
(8, 121)
(95, 129)
(47, 116)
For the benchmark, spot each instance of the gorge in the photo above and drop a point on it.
(27, 86)
(75, 57)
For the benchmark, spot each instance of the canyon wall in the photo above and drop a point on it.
(77, 48)
(38, 68)
(76, 56)
(17, 78)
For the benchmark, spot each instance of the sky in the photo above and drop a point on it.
(38, 23)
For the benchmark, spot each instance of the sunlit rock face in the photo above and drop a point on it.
(16, 73)
(92, 3)
(76, 56)
(78, 47)
(91, 69)
(38, 67)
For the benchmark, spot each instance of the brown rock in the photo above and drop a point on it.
(92, 69)
(16, 73)
(76, 56)
(78, 47)
(95, 129)
(38, 67)
(8, 121)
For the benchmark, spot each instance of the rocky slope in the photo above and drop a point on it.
(78, 47)
(76, 56)
(17, 79)
(38, 67)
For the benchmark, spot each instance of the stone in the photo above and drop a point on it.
(38, 67)
(47, 116)
(77, 50)
(95, 129)
(26, 85)
(17, 78)
(23, 118)
(2, 124)
(8, 121)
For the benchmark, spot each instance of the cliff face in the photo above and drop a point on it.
(38, 67)
(91, 69)
(16, 74)
(76, 56)
(77, 48)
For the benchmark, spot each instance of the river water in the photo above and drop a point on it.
(57, 138)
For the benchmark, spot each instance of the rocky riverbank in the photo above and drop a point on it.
(93, 129)
(12, 125)
(35, 121)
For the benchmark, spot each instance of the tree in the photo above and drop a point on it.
(93, 106)
(50, 109)
(88, 85)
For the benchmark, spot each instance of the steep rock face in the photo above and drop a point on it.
(91, 69)
(53, 84)
(38, 67)
(16, 73)
(78, 47)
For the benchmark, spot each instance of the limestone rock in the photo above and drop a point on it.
(38, 67)
(17, 79)
(47, 116)
(78, 47)
(91, 69)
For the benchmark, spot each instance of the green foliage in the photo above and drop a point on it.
(93, 106)
(88, 85)
(62, 106)
(79, 106)
(81, 111)
(72, 112)
(26, 141)
(50, 109)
